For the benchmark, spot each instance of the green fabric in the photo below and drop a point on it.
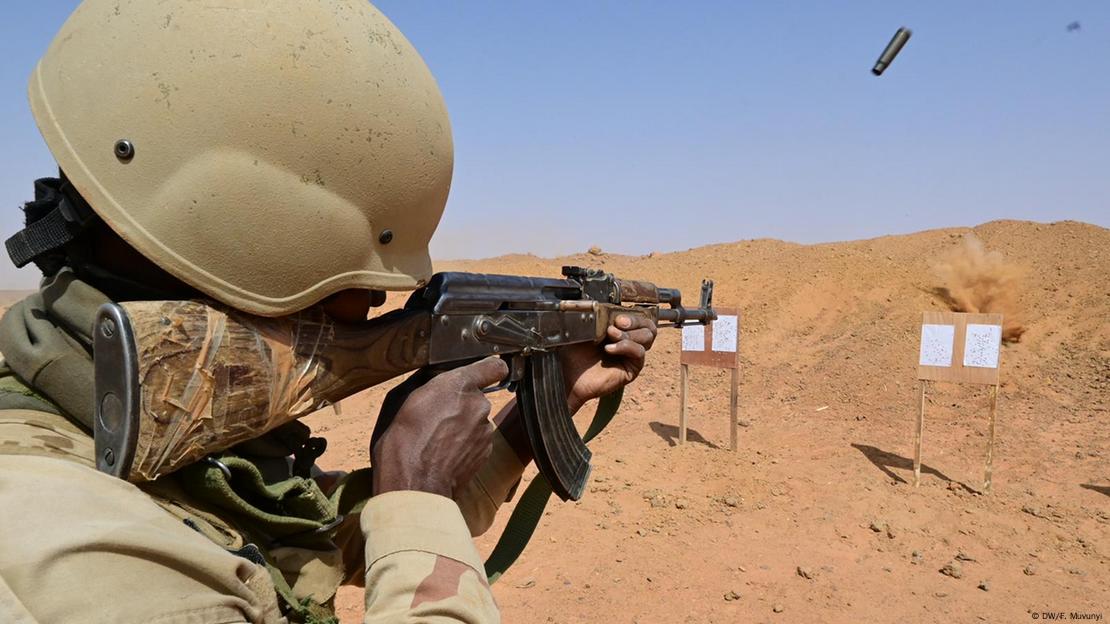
(349, 497)
(353, 491)
(46, 341)
(526, 516)
(287, 511)
(292, 512)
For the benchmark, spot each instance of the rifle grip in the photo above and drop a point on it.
(560, 453)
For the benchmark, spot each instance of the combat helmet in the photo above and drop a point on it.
(267, 152)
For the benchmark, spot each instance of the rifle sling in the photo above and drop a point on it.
(526, 516)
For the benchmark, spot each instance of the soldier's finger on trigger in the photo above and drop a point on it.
(485, 372)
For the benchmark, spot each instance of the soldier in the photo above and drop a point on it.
(272, 155)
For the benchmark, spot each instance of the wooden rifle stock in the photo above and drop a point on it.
(179, 380)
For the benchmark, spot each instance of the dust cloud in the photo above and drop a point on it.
(973, 279)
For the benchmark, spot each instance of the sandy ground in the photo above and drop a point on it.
(814, 518)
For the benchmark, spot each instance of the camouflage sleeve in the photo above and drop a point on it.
(421, 565)
(494, 485)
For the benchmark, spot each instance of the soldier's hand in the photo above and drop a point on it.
(434, 434)
(593, 371)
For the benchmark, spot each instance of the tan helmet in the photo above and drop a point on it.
(267, 152)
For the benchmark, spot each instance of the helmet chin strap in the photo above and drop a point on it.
(54, 219)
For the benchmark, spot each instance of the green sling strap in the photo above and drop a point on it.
(526, 517)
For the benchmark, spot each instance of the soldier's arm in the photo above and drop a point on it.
(421, 563)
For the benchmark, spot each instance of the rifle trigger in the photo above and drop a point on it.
(516, 373)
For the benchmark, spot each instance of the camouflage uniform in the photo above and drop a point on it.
(98, 549)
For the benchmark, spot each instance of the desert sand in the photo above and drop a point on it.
(815, 519)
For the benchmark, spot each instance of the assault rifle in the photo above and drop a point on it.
(177, 381)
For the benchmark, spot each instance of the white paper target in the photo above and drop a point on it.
(982, 345)
(724, 334)
(936, 345)
(693, 337)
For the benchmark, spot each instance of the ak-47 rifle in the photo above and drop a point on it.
(179, 380)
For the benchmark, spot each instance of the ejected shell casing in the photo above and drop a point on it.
(892, 49)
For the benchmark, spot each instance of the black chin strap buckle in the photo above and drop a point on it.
(53, 220)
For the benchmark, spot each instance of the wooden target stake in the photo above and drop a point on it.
(918, 435)
(990, 441)
(734, 407)
(684, 376)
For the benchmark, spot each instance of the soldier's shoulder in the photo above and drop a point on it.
(31, 425)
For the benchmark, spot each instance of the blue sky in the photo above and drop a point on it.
(648, 126)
